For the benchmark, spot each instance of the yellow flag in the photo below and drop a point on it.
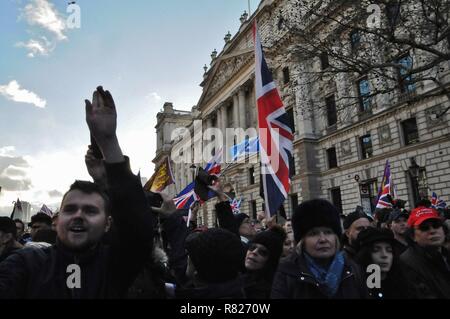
(161, 178)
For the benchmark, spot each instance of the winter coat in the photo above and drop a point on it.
(427, 272)
(106, 271)
(293, 280)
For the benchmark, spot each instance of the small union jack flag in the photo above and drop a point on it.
(436, 202)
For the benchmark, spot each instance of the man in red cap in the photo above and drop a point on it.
(426, 262)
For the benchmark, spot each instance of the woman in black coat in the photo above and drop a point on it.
(376, 247)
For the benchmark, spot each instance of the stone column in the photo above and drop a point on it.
(242, 106)
(235, 111)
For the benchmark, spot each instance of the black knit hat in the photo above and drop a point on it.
(315, 213)
(40, 218)
(239, 218)
(352, 217)
(371, 235)
(273, 239)
(8, 226)
(216, 254)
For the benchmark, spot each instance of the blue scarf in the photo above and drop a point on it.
(330, 278)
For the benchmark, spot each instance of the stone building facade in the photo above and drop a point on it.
(341, 160)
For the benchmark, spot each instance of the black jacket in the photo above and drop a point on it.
(257, 286)
(106, 271)
(293, 280)
(233, 289)
(427, 272)
(227, 221)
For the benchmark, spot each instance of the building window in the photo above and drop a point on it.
(336, 198)
(280, 22)
(366, 146)
(290, 113)
(355, 39)
(286, 78)
(324, 61)
(332, 159)
(294, 204)
(410, 132)
(331, 110)
(406, 79)
(251, 175)
(364, 95)
(253, 209)
(292, 171)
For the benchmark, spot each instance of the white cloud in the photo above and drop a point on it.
(43, 14)
(12, 91)
(50, 178)
(37, 47)
(153, 97)
(7, 150)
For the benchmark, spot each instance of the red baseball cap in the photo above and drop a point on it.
(421, 214)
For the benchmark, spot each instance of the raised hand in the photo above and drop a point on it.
(101, 118)
(167, 208)
(101, 115)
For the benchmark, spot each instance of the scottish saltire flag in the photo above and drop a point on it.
(214, 165)
(235, 205)
(385, 193)
(436, 202)
(46, 210)
(246, 147)
(275, 134)
(186, 198)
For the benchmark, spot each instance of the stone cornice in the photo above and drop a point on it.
(383, 156)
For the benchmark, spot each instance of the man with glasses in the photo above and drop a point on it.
(426, 261)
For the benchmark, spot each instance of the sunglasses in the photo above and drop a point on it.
(263, 252)
(426, 226)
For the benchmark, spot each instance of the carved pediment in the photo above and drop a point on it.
(225, 69)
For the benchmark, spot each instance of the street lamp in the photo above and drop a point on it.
(414, 172)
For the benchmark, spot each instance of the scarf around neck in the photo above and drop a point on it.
(329, 279)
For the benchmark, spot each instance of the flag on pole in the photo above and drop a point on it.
(17, 209)
(436, 202)
(213, 167)
(235, 205)
(162, 177)
(46, 210)
(385, 195)
(275, 134)
(186, 198)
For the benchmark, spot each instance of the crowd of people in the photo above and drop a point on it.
(130, 243)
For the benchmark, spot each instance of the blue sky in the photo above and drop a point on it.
(145, 52)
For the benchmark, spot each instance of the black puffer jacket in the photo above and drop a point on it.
(293, 280)
(427, 272)
(106, 271)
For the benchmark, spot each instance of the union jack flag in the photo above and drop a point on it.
(235, 205)
(275, 133)
(186, 198)
(385, 195)
(436, 202)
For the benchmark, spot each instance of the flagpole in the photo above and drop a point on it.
(249, 12)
